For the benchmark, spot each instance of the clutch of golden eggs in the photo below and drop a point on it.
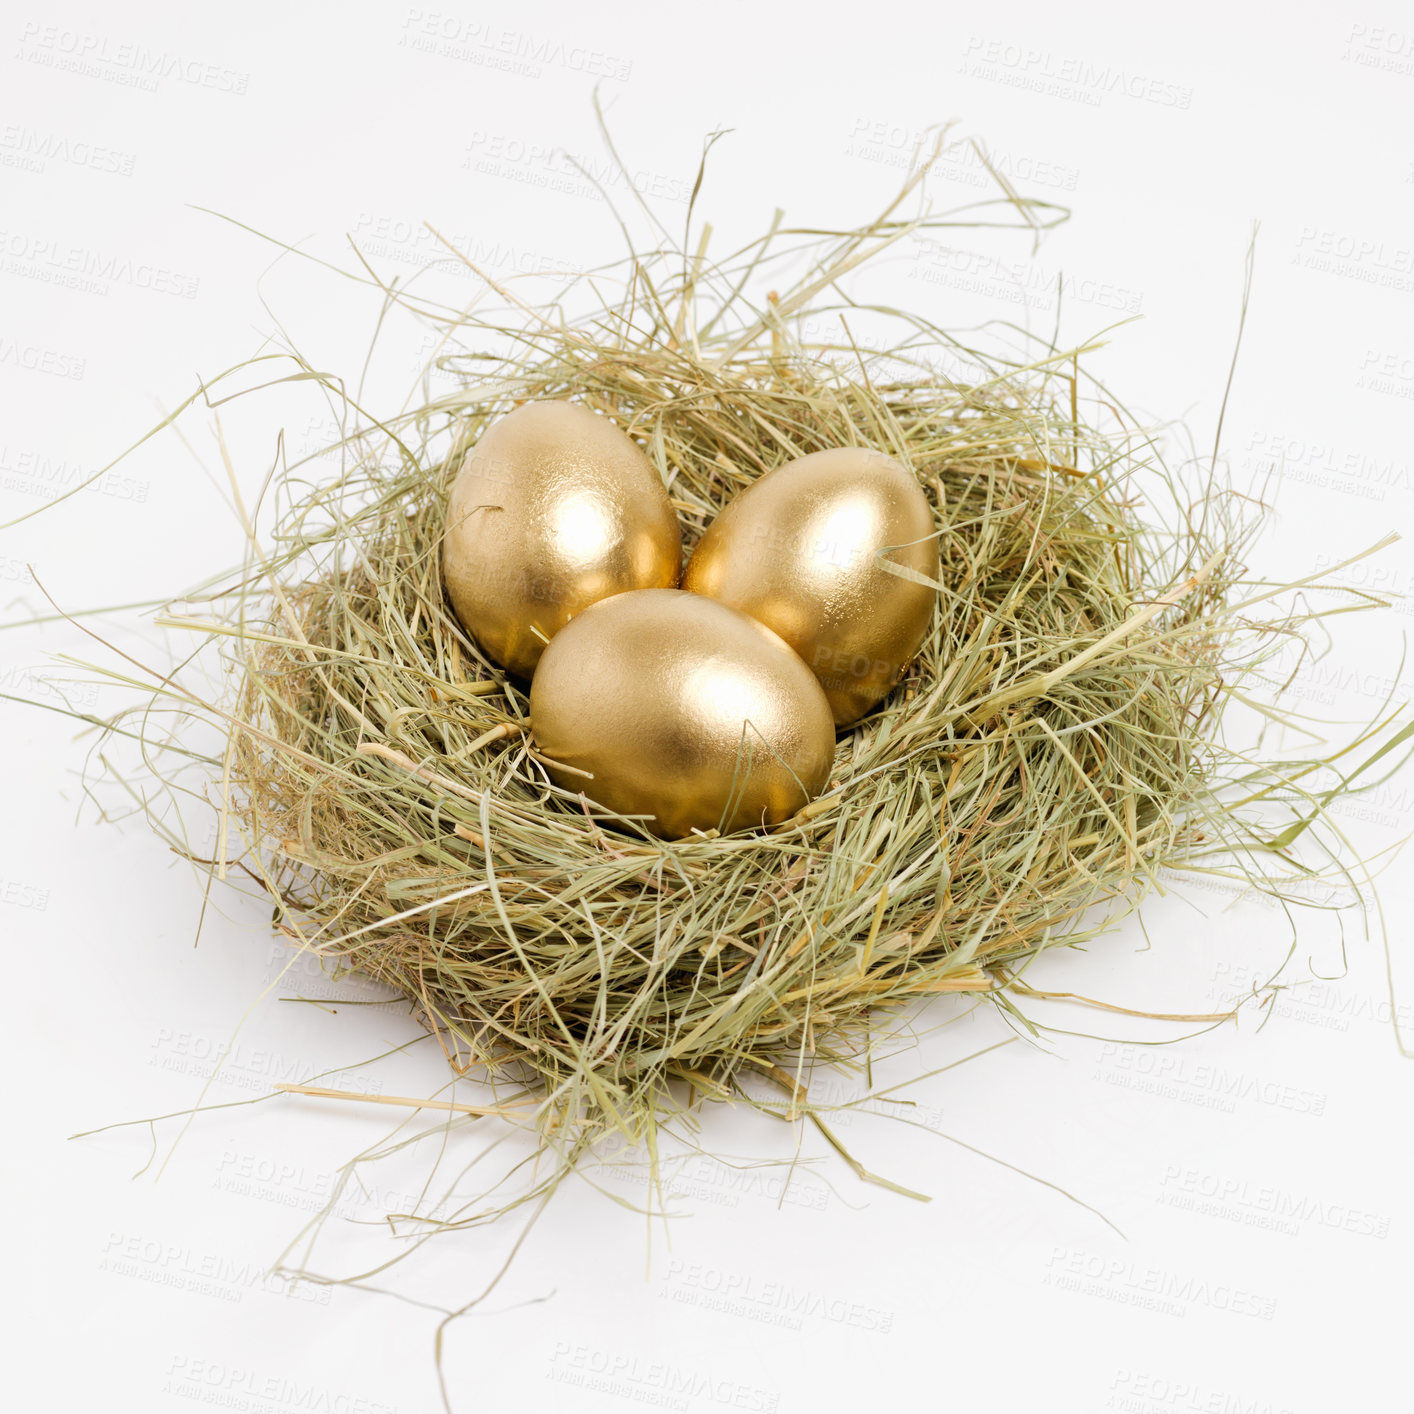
(707, 706)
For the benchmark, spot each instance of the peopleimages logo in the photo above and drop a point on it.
(899, 145)
(1263, 1205)
(234, 1386)
(1134, 1392)
(1387, 371)
(1070, 77)
(36, 685)
(556, 168)
(653, 1382)
(24, 147)
(1367, 259)
(513, 50)
(703, 1179)
(38, 359)
(289, 1184)
(1375, 47)
(246, 1067)
(195, 1273)
(132, 65)
(1311, 461)
(21, 895)
(769, 1301)
(58, 263)
(1017, 281)
(412, 242)
(1331, 1005)
(1204, 1083)
(1150, 1288)
(33, 473)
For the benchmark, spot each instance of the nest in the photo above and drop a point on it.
(1051, 751)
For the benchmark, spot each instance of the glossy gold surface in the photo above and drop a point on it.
(552, 510)
(797, 550)
(682, 709)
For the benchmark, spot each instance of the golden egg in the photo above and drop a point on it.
(799, 551)
(666, 704)
(552, 510)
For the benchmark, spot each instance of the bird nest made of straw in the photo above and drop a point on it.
(1051, 749)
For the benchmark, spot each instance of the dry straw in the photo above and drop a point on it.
(1053, 752)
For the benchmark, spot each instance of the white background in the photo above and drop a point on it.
(1260, 1179)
